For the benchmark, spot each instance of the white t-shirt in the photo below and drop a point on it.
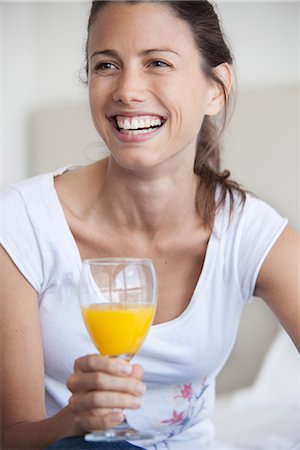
(182, 357)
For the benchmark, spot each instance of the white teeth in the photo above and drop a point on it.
(131, 132)
(135, 123)
(126, 125)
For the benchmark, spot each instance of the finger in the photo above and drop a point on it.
(97, 399)
(93, 363)
(101, 381)
(99, 419)
(137, 371)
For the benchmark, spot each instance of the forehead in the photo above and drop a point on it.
(140, 25)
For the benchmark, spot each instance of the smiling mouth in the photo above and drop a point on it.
(138, 124)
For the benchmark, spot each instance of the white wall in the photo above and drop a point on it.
(42, 55)
(263, 37)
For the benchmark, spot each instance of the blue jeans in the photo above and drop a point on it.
(78, 443)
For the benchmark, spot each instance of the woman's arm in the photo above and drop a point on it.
(278, 282)
(98, 384)
(24, 424)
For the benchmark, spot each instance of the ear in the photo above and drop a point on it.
(217, 98)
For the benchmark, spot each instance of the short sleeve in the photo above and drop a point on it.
(18, 236)
(258, 229)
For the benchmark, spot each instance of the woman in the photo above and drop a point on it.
(157, 74)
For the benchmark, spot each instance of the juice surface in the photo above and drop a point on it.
(118, 329)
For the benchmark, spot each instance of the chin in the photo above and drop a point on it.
(131, 161)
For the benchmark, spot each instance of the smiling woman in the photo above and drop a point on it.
(158, 75)
(159, 70)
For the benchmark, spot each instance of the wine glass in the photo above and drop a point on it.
(118, 299)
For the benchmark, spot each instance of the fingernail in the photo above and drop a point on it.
(125, 368)
(137, 401)
(140, 389)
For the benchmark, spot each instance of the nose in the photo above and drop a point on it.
(130, 87)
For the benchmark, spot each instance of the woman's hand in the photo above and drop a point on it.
(101, 388)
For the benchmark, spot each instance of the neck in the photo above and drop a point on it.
(152, 202)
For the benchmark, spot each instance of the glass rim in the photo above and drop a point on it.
(116, 261)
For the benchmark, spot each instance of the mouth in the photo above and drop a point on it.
(137, 125)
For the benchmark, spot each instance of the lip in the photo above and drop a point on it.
(134, 138)
(134, 114)
(123, 137)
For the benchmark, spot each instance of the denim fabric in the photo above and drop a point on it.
(78, 443)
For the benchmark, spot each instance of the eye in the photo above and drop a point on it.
(104, 67)
(158, 63)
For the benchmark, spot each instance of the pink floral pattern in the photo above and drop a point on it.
(190, 407)
(176, 418)
(186, 391)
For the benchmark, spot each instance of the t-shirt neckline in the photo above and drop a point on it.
(203, 276)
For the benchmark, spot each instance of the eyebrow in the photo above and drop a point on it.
(113, 53)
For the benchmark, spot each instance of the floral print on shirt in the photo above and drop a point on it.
(188, 404)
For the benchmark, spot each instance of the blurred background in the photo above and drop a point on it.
(45, 119)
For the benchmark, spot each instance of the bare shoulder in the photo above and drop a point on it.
(278, 282)
(284, 257)
(74, 186)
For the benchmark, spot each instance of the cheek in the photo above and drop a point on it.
(188, 98)
(99, 92)
(95, 98)
(93, 101)
(97, 103)
(187, 112)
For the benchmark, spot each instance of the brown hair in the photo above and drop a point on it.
(205, 26)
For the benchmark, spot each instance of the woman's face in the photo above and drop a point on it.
(148, 95)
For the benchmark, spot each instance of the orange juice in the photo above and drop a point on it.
(118, 328)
